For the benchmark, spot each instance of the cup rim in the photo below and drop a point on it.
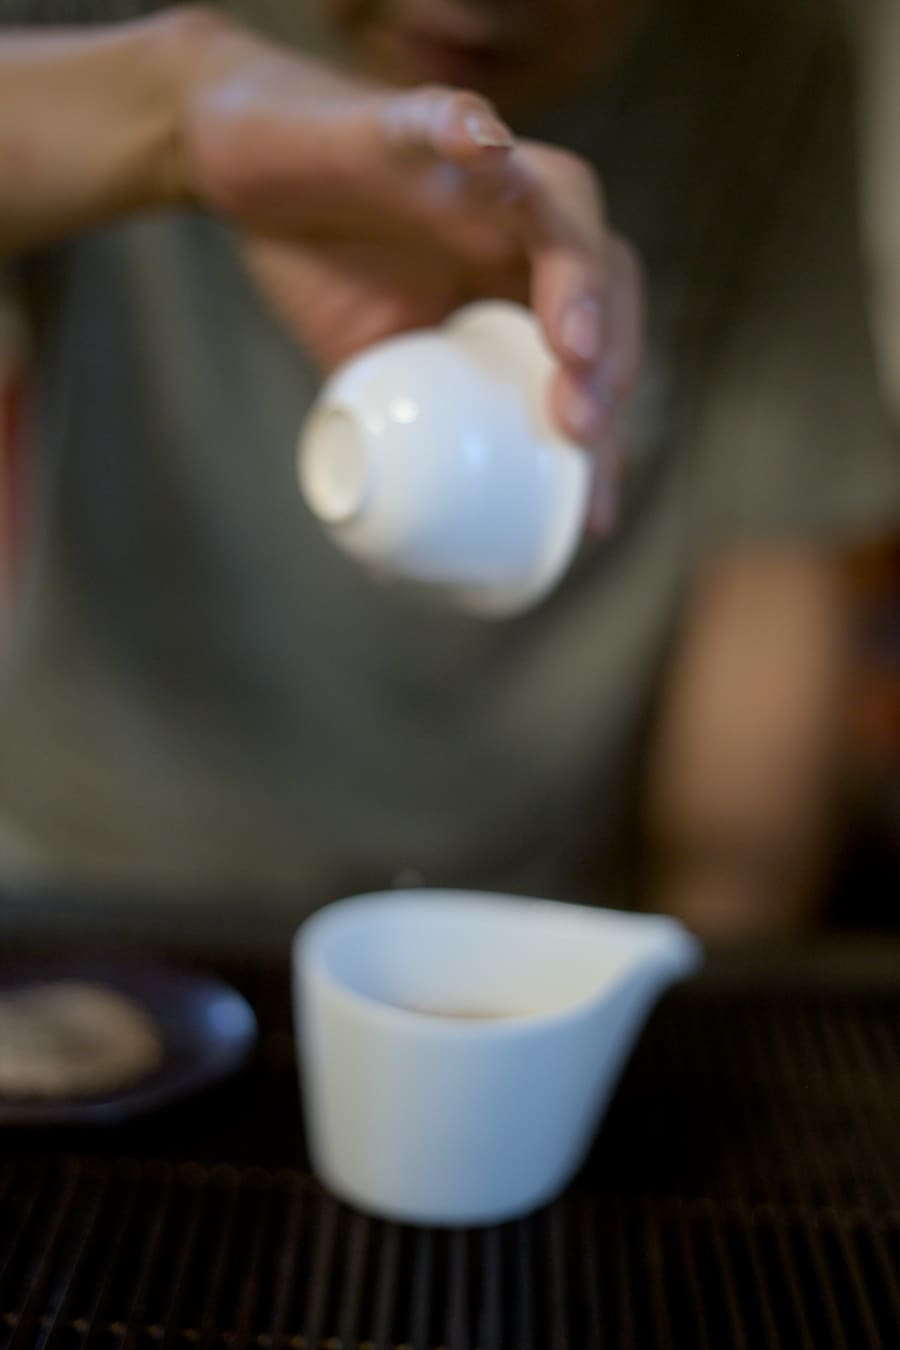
(311, 966)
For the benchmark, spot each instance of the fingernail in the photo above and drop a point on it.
(587, 412)
(488, 131)
(581, 328)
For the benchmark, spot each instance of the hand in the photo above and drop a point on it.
(367, 212)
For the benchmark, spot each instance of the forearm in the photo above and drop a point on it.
(89, 124)
(742, 793)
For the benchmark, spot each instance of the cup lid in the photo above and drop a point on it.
(479, 383)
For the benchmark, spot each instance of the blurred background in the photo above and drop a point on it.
(745, 1188)
(873, 572)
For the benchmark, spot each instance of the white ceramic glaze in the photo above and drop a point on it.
(432, 1119)
(432, 457)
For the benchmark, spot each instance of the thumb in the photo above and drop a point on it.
(451, 123)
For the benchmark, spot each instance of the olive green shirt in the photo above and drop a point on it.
(202, 693)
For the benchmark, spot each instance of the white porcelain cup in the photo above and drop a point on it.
(457, 1050)
(432, 457)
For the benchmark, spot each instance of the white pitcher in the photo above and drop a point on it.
(458, 1050)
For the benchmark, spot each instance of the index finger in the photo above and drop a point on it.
(561, 213)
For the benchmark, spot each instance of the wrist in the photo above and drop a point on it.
(190, 46)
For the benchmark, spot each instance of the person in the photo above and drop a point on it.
(203, 208)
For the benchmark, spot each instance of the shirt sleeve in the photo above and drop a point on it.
(792, 437)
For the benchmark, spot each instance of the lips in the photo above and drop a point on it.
(424, 55)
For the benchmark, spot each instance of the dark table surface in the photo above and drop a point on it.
(744, 1189)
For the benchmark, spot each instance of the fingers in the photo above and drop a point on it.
(586, 292)
(586, 283)
(580, 406)
(603, 503)
(618, 375)
(590, 419)
(452, 151)
(564, 219)
(599, 338)
(620, 364)
(453, 124)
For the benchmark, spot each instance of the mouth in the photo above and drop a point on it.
(425, 56)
